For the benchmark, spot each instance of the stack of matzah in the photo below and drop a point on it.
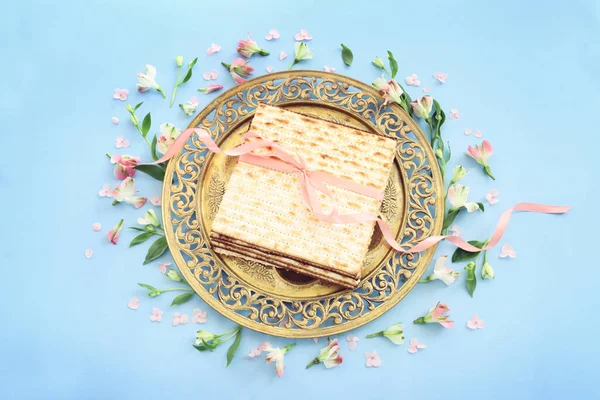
(262, 216)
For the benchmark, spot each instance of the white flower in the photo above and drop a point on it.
(442, 272)
(168, 134)
(191, 106)
(457, 196)
(395, 333)
(149, 218)
(147, 81)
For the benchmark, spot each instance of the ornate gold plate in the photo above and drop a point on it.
(276, 301)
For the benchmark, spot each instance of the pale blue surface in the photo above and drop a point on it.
(526, 75)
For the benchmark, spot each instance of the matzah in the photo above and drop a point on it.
(263, 218)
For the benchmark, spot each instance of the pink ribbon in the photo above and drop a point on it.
(313, 181)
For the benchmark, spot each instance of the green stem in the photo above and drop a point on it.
(234, 330)
(420, 320)
(372, 335)
(263, 52)
(315, 361)
(288, 347)
(174, 289)
(294, 63)
(176, 86)
(162, 92)
(228, 66)
(428, 279)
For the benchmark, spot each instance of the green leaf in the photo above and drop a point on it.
(141, 238)
(481, 207)
(145, 286)
(347, 55)
(138, 105)
(205, 346)
(463, 255)
(393, 64)
(153, 170)
(146, 123)
(182, 298)
(135, 228)
(471, 280)
(448, 153)
(234, 346)
(189, 71)
(156, 249)
(153, 148)
(449, 219)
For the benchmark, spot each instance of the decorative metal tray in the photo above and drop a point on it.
(276, 301)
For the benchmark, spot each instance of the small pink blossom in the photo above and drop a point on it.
(328, 356)
(414, 346)
(282, 55)
(247, 47)
(302, 35)
(468, 132)
(121, 143)
(89, 253)
(211, 75)
(156, 315)
(455, 231)
(352, 342)
(214, 48)
(269, 68)
(454, 114)
(199, 316)
(180, 319)
(238, 68)
(115, 120)
(426, 89)
(436, 314)
(478, 133)
(155, 200)
(134, 303)
(121, 94)
(106, 191)
(273, 34)
(113, 234)
(422, 108)
(475, 323)
(96, 226)
(258, 350)
(372, 360)
(481, 154)
(329, 69)
(390, 90)
(491, 197)
(124, 165)
(210, 88)
(440, 76)
(507, 251)
(412, 80)
(163, 267)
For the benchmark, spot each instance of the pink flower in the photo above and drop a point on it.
(302, 35)
(163, 267)
(475, 323)
(507, 251)
(134, 303)
(168, 135)
(89, 253)
(156, 315)
(126, 192)
(214, 48)
(106, 191)
(179, 319)
(440, 76)
(422, 108)
(113, 234)
(199, 316)
(329, 69)
(352, 342)
(436, 315)
(329, 355)
(372, 360)
(276, 355)
(491, 197)
(273, 34)
(282, 55)
(454, 114)
(248, 47)
(257, 351)
(96, 226)
(210, 88)
(241, 67)
(412, 80)
(414, 346)
(391, 91)
(481, 154)
(121, 143)
(115, 120)
(124, 165)
(211, 75)
(121, 94)
(155, 200)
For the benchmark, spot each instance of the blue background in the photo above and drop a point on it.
(525, 73)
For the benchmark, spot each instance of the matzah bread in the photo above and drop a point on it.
(262, 216)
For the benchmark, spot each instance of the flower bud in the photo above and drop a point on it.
(378, 62)
(487, 272)
(459, 173)
(179, 60)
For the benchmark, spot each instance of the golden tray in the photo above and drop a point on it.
(275, 301)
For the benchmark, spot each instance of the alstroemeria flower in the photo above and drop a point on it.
(199, 316)
(352, 342)
(302, 52)
(276, 355)
(147, 81)
(113, 234)
(121, 94)
(458, 173)
(126, 192)
(481, 154)
(149, 218)
(191, 106)
(329, 355)
(414, 346)
(248, 47)
(412, 80)
(436, 315)
(238, 68)
(395, 333)
(457, 196)
(273, 34)
(422, 108)
(442, 272)
(391, 91)
(168, 134)
(487, 272)
(440, 76)
(491, 197)
(475, 322)
(156, 315)
(507, 251)
(214, 48)
(180, 319)
(210, 88)
(372, 360)
(205, 336)
(302, 35)
(124, 165)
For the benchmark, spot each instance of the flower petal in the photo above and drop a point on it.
(507, 251)
(115, 120)
(89, 253)
(478, 134)
(134, 303)
(468, 131)
(269, 68)
(96, 226)
(282, 55)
